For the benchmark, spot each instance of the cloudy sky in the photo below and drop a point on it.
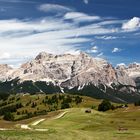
(109, 29)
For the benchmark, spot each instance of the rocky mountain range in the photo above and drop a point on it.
(75, 74)
(133, 71)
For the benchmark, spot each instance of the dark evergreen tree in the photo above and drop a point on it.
(34, 105)
(104, 106)
(78, 99)
(65, 105)
(8, 116)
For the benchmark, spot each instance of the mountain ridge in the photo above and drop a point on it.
(69, 73)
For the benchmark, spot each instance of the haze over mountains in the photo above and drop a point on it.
(78, 73)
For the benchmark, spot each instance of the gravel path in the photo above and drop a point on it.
(26, 127)
(37, 122)
(60, 115)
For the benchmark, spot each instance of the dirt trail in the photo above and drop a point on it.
(56, 117)
(24, 126)
(5, 129)
(37, 122)
(41, 120)
(27, 127)
(60, 115)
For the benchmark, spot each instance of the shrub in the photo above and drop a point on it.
(46, 97)
(93, 107)
(65, 105)
(104, 106)
(34, 105)
(18, 113)
(8, 116)
(126, 105)
(78, 99)
(29, 114)
(18, 99)
(137, 103)
(61, 97)
(19, 105)
(11, 109)
(113, 107)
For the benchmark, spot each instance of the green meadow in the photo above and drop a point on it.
(119, 124)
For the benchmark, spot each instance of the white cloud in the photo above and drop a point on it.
(100, 54)
(133, 23)
(80, 17)
(20, 26)
(54, 8)
(17, 1)
(73, 52)
(106, 37)
(86, 1)
(116, 50)
(24, 39)
(5, 55)
(121, 64)
(94, 49)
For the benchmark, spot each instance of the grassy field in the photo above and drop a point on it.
(76, 124)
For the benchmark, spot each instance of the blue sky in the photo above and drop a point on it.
(109, 29)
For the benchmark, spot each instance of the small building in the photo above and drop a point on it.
(88, 111)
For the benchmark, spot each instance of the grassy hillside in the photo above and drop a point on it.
(23, 106)
(76, 124)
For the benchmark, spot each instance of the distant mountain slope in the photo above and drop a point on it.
(133, 71)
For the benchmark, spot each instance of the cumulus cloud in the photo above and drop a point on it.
(133, 23)
(116, 50)
(54, 8)
(80, 17)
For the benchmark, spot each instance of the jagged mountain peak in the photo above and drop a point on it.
(5, 71)
(70, 70)
(121, 66)
(133, 69)
(134, 65)
(43, 55)
(63, 65)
